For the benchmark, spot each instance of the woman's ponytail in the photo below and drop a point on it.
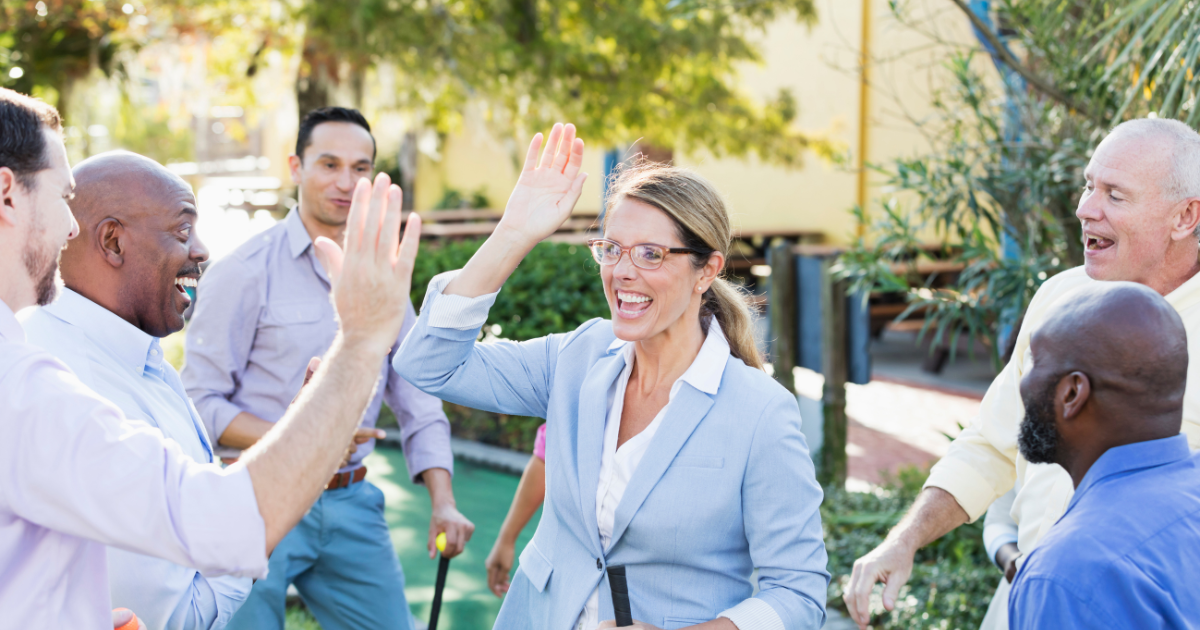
(730, 305)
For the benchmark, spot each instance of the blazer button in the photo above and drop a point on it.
(598, 565)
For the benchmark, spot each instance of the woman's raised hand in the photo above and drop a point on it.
(545, 193)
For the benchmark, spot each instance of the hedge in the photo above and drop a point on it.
(555, 289)
(952, 580)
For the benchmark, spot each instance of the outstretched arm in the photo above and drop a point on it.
(934, 514)
(540, 202)
(531, 492)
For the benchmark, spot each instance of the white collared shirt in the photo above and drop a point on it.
(126, 366)
(75, 476)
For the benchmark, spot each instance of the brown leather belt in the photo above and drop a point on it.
(342, 480)
(339, 481)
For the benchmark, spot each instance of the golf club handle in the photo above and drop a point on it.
(620, 596)
(439, 586)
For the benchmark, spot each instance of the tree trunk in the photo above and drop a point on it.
(317, 80)
(408, 169)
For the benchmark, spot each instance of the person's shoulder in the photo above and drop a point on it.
(257, 250)
(28, 362)
(591, 337)
(758, 387)
(1063, 283)
(61, 338)
(247, 264)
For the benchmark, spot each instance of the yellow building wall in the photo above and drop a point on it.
(821, 65)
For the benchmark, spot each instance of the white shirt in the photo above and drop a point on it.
(75, 476)
(617, 466)
(126, 366)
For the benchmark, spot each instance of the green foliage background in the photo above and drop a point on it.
(556, 288)
(952, 580)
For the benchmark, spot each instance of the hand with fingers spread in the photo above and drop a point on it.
(546, 192)
(372, 276)
(543, 198)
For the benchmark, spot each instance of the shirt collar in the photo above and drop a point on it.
(128, 344)
(298, 238)
(10, 328)
(1131, 457)
(706, 370)
(1186, 294)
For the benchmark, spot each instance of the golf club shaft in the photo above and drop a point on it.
(443, 566)
(620, 596)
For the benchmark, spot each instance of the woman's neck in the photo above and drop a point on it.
(660, 360)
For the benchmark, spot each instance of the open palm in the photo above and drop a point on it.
(545, 194)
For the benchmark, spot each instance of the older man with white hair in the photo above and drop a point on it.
(1140, 212)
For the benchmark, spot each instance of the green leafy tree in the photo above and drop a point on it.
(660, 70)
(48, 45)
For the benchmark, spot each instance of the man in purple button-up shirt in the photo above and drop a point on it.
(261, 313)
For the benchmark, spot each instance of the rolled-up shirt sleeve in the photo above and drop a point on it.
(70, 463)
(456, 311)
(219, 341)
(999, 528)
(424, 428)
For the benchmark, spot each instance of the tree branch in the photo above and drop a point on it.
(1007, 58)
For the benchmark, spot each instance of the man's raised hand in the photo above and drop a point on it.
(545, 193)
(372, 276)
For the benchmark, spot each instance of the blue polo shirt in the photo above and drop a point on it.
(1127, 552)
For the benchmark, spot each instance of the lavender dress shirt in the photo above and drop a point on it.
(126, 366)
(76, 476)
(261, 313)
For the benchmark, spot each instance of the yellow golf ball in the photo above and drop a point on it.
(441, 542)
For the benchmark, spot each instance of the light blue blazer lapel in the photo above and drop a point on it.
(593, 409)
(683, 416)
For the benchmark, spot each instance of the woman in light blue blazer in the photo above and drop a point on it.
(670, 451)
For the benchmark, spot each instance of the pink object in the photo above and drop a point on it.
(539, 443)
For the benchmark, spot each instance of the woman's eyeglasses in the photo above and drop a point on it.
(643, 255)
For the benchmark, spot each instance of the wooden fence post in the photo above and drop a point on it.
(833, 467)
(782, 305)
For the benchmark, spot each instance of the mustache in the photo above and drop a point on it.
(189, 271)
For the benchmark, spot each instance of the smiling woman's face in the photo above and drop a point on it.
(647, 302)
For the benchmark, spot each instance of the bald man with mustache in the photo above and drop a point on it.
(124, 278)
(1104, 401)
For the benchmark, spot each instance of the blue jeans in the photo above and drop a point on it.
(341, 559)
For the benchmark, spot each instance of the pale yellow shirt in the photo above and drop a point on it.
(983, 462)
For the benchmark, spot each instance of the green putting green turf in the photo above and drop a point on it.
(483, 496)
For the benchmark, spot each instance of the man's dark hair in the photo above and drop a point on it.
(329, 114)
(22, 145)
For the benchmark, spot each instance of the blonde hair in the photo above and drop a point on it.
(702, 222)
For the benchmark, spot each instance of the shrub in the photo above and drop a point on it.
(952, 579)
(556, 288)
